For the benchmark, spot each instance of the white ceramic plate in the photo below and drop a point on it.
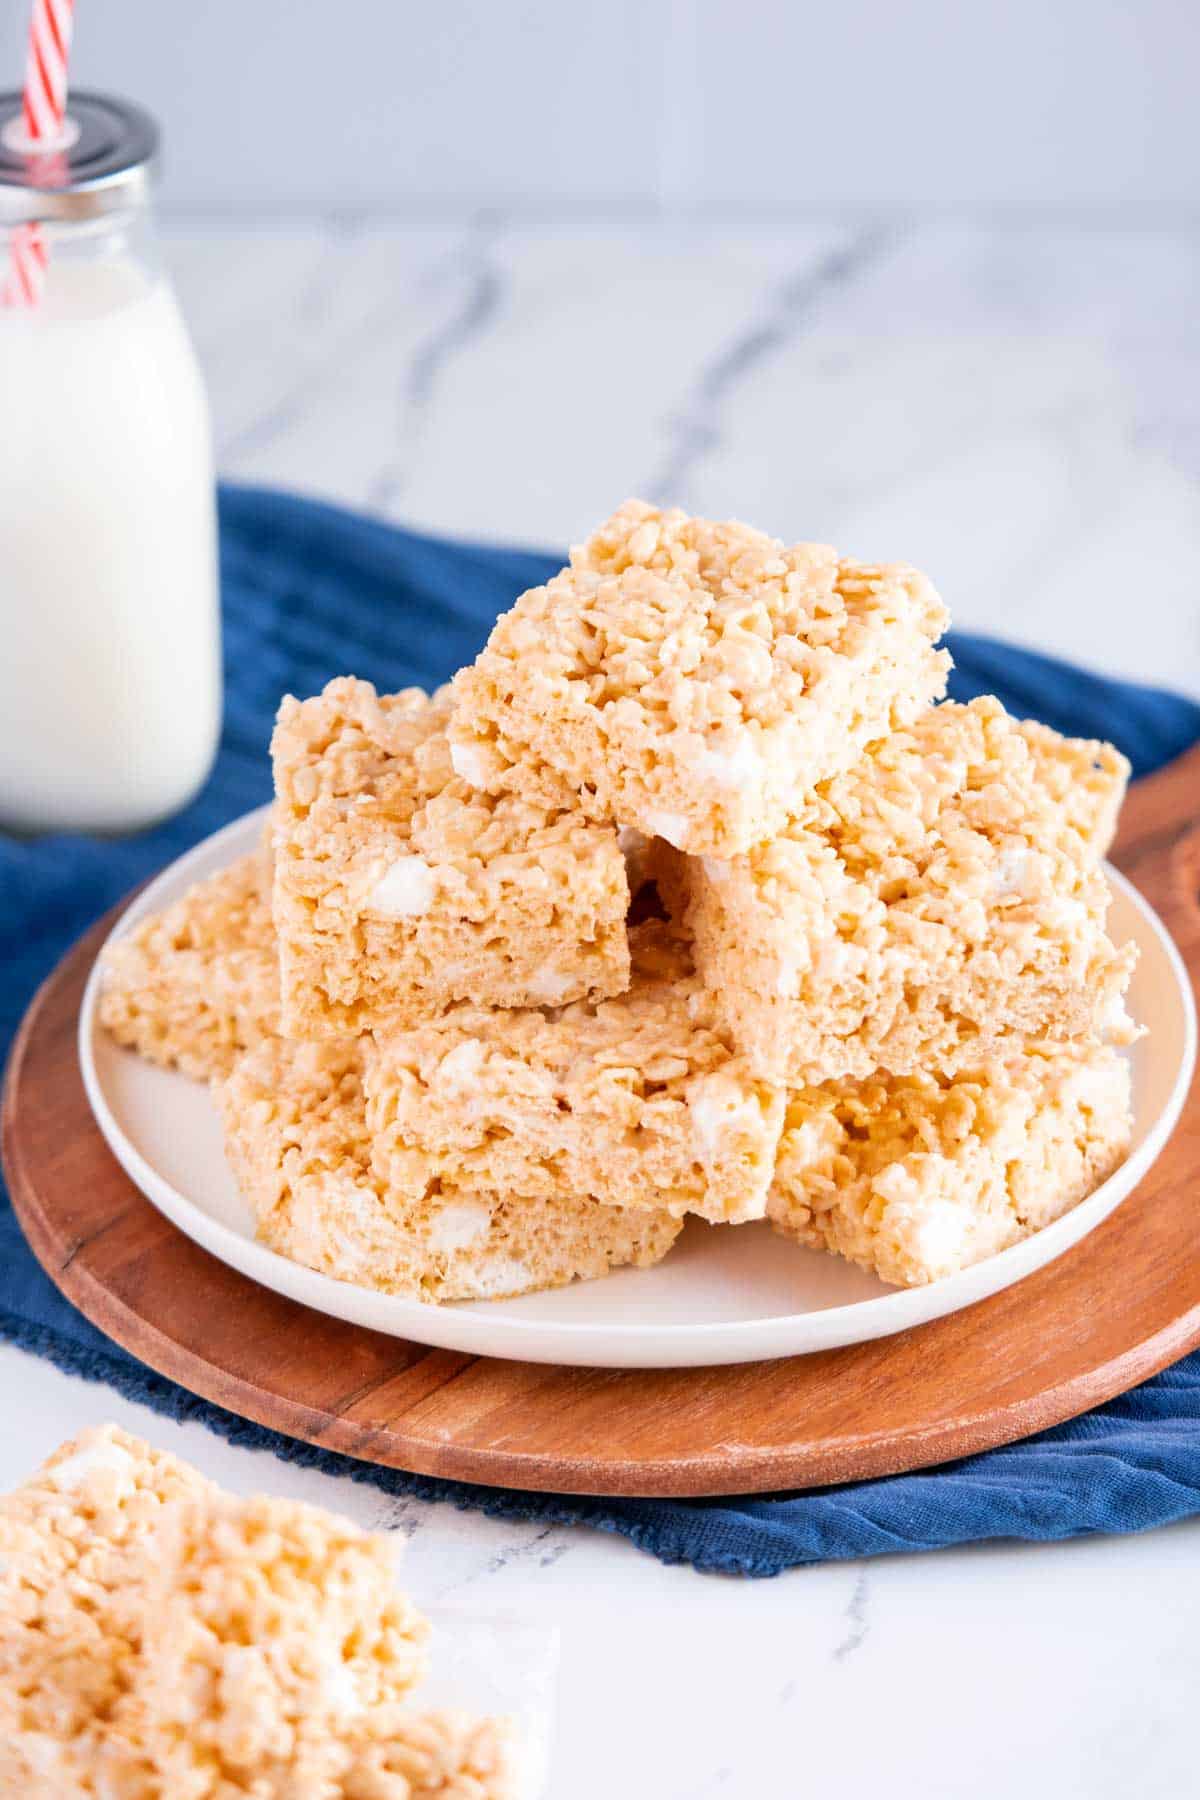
(721, 1296)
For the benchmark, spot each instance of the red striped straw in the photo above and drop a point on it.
(43, 113)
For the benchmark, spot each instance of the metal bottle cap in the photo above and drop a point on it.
(103, 165)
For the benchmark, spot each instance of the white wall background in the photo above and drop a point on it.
(748, 106)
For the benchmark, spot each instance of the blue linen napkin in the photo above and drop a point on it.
(310, 592)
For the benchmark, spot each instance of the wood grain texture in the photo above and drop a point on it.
(1113, 1310)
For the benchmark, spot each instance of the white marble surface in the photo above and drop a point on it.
(1016, 410)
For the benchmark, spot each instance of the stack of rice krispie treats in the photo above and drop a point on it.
(691, 896)
(163, 1640)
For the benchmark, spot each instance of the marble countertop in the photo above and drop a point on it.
(1016, 410)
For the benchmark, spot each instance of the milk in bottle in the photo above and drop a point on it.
(109, 634)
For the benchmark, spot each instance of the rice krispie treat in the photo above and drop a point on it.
(195, 984)
(943, 892)
(635, 1102)
(160, 1640)
(74, 1573)
(297, 1139)
(272, 1633)
(694, 680)
(399, 888)
(915, 1177)
(443, 1755)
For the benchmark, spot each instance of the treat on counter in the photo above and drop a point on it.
(160, 1639)
(270, 1630)
(940, 894)
(400, 889)
(275, 1641)
(74, 1575)
(918, 1176)
(445, 1754)
(195, 984)
(297, 1139)
(636, 1102)
(695, 680)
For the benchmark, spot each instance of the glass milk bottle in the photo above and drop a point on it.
(110, 685)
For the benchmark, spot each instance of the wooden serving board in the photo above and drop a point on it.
(1123, 1303)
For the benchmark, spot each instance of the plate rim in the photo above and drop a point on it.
(645, 1344)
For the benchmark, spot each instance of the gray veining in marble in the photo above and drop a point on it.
(477, 285)
(1015, 409)
(694, 431)
(857, 1619)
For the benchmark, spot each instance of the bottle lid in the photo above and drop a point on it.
(103, 163)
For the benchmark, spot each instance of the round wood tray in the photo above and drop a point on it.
(1108, 1313)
